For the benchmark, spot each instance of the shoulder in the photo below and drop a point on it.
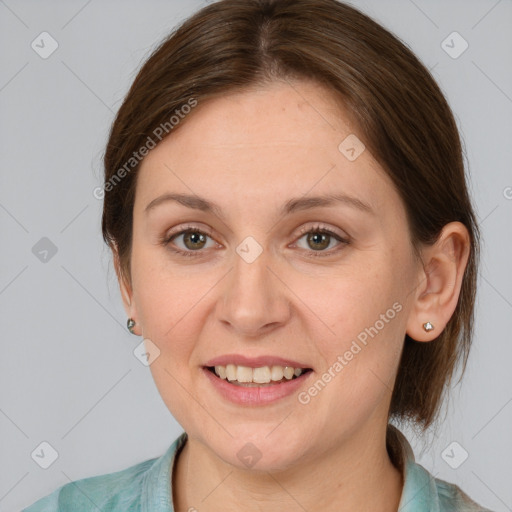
(102, 492)
(422, 492)
(129, 490)
(453, 498)
(425, 492)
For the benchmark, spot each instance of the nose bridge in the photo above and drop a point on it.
(253, 298)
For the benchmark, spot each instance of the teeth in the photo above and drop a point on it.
(277, 373)
(289, 372)
(221, 371)
(261, 375)
(243, 374)
(230, 371)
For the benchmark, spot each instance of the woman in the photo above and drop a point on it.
(286, 205)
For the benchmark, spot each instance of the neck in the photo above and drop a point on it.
(357, 475)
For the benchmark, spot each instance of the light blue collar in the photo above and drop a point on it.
(421, 491)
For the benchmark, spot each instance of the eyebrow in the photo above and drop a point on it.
(291, 206)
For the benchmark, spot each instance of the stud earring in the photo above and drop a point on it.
(428, 326)
(130, 324)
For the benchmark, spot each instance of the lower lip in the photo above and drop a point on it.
(259, 395)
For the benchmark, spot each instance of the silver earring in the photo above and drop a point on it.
(428, 326)
(130, 324)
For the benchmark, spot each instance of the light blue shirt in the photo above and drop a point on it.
(146, 487)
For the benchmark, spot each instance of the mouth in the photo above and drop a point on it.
(263, 376)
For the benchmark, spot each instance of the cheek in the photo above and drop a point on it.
(162, 295)
(167, 307)
(365, 316)
(348, 301)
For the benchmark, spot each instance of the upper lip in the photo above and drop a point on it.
(254, 362)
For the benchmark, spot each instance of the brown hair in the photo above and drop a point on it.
(403, 118)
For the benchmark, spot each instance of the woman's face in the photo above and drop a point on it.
(263, 286)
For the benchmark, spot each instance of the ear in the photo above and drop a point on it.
(440, 281)
(126, 292)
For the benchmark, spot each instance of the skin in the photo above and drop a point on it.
(329, 454)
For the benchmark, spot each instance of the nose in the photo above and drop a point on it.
(254, 300)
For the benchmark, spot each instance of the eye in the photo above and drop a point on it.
(319, 238)
(188, 242)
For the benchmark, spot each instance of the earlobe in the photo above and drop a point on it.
(440, 280)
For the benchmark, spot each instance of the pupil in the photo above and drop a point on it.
(195, 238)
(317, 238)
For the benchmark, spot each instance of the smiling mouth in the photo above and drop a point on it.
(246, 376)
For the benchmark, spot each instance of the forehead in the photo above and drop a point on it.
(280, 140)
(277, 114)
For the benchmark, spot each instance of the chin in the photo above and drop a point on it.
(261, 450)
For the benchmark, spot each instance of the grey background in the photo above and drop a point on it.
(68, 375)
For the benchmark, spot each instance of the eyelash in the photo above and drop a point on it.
(318, 229)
